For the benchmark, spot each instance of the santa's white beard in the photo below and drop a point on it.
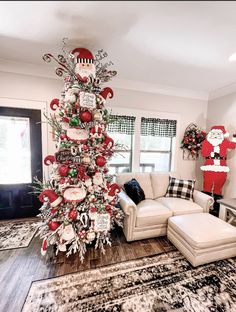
(84, 73)
(215, 141)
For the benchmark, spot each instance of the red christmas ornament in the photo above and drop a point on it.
(86, 116)
(93, 209)
(108, 208)
(82, 234)
(81, 172)
(63, 170)
(106, 170)
(65, 119)
(63, 136)
(101, 161)
(53, 225)
(73, 214)
(108, 142)
(85, 147)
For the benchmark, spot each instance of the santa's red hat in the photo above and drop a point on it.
(222, 129)
(53, 197)
(83, 55)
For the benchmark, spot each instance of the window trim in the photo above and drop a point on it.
(136, 148)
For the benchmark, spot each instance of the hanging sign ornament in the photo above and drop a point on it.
(192, 141)
(78, 201)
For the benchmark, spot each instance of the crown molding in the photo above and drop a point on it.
(45, 71)
(29, 69)
(223, 91)
(159, 89)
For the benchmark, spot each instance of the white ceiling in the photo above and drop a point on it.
(180, 44)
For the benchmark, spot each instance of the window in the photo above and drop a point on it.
(156, 144)
(121, 129)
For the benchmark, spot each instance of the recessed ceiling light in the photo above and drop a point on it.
(232, 57)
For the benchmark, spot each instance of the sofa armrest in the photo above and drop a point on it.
(130, 210)
(203, 200)
(128, 206)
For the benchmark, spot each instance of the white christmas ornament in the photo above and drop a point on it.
(77, 134)
(87, 100)
(90, 235)
(98, 178)
(70, 95)
(74, 194)
(68, 233)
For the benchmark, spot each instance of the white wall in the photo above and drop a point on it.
(222, 111)
(17, 86)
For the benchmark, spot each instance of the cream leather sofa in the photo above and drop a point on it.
(149, 218)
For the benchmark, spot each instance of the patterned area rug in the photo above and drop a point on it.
(16, 234)
(161, 283)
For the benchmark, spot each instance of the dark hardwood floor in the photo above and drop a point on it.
(20, 267)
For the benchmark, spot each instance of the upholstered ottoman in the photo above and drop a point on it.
(202, 238)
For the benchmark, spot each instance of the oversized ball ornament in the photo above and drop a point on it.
(63, 170)
(53, 225)
(86, 116)
(100, 161)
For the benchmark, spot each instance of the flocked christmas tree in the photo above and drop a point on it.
(79, 198)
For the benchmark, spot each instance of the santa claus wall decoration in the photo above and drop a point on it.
(215, 148)
(79, 192)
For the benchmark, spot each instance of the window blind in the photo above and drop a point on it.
(121, 124)
(158, 127)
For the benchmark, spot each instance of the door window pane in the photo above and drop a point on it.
(15, 156)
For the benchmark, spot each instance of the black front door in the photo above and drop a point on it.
(20, 161)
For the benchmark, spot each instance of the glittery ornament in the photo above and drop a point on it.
(86, 116)
(97, 116)
(72, 173)
(74, 122)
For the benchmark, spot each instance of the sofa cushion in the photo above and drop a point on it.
(150, 212)
(134, 191)
(143, 179)
(160, 182)
(179, 206)
(180, 188)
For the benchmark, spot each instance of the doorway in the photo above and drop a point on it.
(20, 161)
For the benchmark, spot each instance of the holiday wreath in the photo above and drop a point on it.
(192, 141)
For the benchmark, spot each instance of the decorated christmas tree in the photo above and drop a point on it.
(79, 198)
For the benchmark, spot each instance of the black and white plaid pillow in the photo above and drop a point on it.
(180, 188)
